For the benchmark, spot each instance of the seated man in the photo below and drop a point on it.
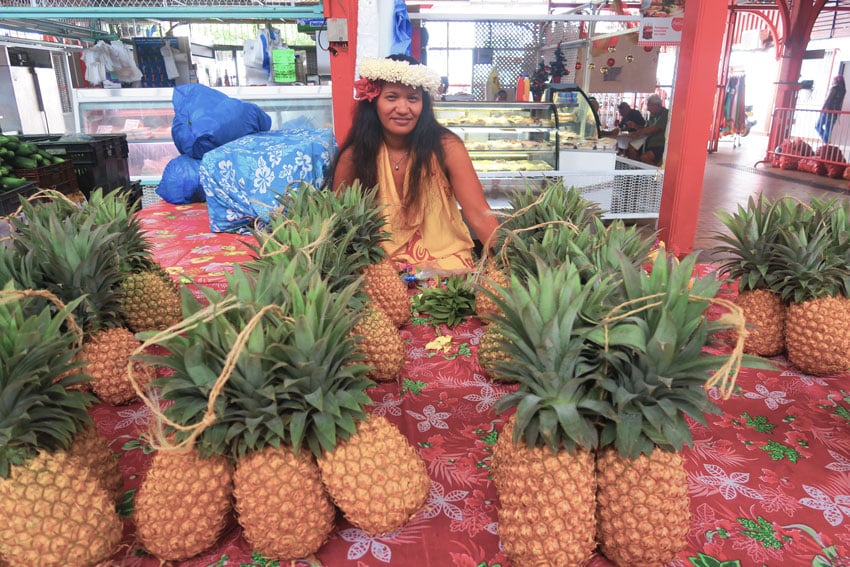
(654, 132)
(630, 118)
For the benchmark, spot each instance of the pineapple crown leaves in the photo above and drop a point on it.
(113, 209)
(659, 373)
(37, 410)
(748, 249)
(545, 331)
(594, 248)
(297, 380)
(808, 266)
(531, 211)
(356, 212)
(450, 304)
(309, 241)
(71, 258)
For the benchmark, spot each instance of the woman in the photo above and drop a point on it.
(421, 168)
(833, 103)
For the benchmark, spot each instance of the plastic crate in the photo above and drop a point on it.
(9, 201)
(98, 162)
(58, 176)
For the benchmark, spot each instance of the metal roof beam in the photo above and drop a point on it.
(166, 12)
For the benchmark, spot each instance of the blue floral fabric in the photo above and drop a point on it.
(243, 180)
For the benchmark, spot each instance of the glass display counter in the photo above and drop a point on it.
(145, 116)
(504, 138)
(580, 147)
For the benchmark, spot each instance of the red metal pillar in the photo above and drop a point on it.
(799, 18)
(690, 122)
(723, 81)
(343, 63)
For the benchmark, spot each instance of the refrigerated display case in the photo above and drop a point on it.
(504, 139)
(145, 116)
(580, 147)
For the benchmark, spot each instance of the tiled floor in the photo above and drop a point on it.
(730, 178)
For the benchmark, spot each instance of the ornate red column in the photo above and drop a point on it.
(798, 19)
(691, 114)
(343, 63)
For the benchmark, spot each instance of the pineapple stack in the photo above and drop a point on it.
(608, 359)
(56, 509)
(290, 417)
(792, 263)
(342, 232)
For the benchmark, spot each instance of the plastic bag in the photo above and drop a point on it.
(402, 29)
(181, 181)
(205, 119)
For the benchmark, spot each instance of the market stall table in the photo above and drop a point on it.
(769, 476)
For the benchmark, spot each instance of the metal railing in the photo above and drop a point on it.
(810, 140)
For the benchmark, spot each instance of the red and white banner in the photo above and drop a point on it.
(661, 22)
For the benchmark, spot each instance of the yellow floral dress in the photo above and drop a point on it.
(438, 239)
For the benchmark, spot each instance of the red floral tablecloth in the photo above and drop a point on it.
(769, 477)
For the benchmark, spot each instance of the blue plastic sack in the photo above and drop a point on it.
(402, 29)
(181, 181)
(205, 119)
(244, 179)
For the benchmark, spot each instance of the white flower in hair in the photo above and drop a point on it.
(402, 72)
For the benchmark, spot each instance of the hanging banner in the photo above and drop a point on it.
(661, 22)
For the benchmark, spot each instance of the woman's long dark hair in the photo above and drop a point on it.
(367, 135)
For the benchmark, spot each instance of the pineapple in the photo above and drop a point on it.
(531, 213)
(299, 511)
(387, 291)
(492, 277)
(55, 509)
(296, 387)
(643, 507)
(492, 349)
(747, 252)
(91, 447)
(182, 505)
(341, 232)
(543, 465)
(107, 354)
(654, 370)
(376, 477)
(382, 345)
(811, 272)
(150, 300)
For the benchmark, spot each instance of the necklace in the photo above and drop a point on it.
(397, 163)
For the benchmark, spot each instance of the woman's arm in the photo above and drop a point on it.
(344, 171)
(467, 189)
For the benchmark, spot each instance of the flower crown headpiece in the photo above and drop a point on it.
(372, 71)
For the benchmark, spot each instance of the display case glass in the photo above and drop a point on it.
(504, 138)
(145, 115)
(578, 123)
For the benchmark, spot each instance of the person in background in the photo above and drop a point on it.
(655, 133)
(501, 96)
(421, 169)
(833, 103)
(630, 118)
